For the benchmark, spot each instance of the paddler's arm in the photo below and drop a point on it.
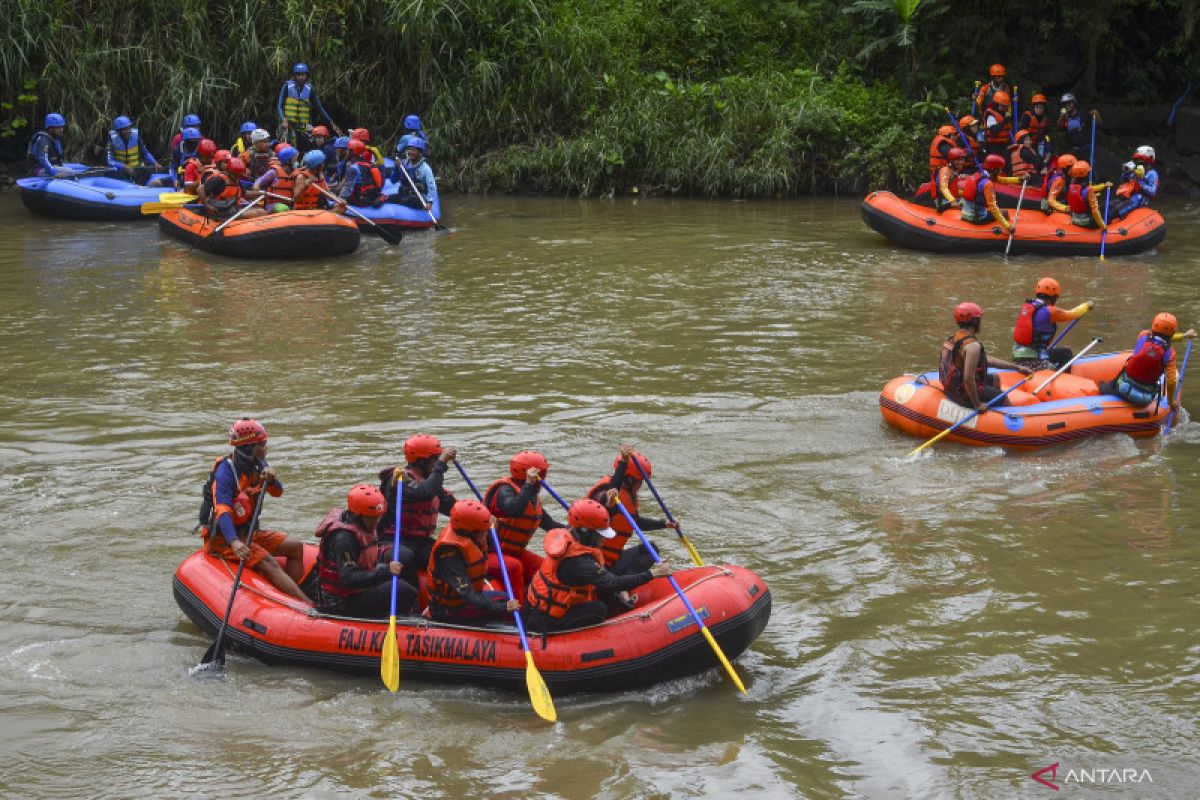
(1066, 315)
(989, 195)
(1094, 203)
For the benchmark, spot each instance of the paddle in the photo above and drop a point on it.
(966, 142)
(1012, 229)
(167, 201)
(389, 660)
(975, 98)
(1104, 233)
(213, 660)
(437, 226)
(674, 585)
(997, 399)
(1066, 330)
(678, 531)
(109, 195)
(1092, 152)
(1178, 388)
(249, 206)
(1016, 115)
(1067, 365)
(383, 232)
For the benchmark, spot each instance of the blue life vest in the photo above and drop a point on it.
(43, 141)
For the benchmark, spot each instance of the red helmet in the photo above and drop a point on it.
(1066, 161)
(320, 130)
(357, 147)
(997, 71)
(957, 154)
(237, 166)
(360, 134)
(222, 155)
(519, 464)
(247, 431)
(366, 501)
(470, 515)
(588, 514)
(206, 147)
(631, 471)
(423, 445)
(1164, 324)
(994, 162)
(1048, 286)
(243, 509)
(965, 312)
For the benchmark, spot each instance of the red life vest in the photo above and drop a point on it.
(1076, 201)
(310, 198)
(937, 156)
(1127, 189)
(514, 532)
(950, 365)
(1148, 361)
(1024, 332)
(611, 548)
(327, 571)
(546, 592)
(443, 594)
(418, 518)
(369, 186)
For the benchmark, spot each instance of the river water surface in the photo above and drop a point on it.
(941, 628)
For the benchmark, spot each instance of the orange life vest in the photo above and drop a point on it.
(227, 200)
(284, 181)
(546, 592)
(310, 198)
(514, 532)
(1020, 167)
(937, 158)
(612, 547)
(244, 502)
(328, 577)
(1000, 135)
(1127, 188)
(1036, 126)
(442, 593)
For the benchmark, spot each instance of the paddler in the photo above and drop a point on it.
(424, 497)
(457, 565)
(1152, 357)
(963, 366)
(1037, 324)
(46, 149)
(515, 501)
(623, 485)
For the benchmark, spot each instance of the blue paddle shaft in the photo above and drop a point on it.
(1178, 387)
(966, 142)
(650, 485)
(1104, 233)
(1066, 330)
(399, 481)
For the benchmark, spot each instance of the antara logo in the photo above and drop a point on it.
(1047, 775)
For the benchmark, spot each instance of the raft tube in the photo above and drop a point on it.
(287, 234)
(1006, 195)
(910, 225)
(397, 217)
(656, 641)
(94, 198)
(1069, 409)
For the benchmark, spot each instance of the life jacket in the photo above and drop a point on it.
(311, 196)
(179, 157)
(376, 154)
(612, 547)
(229, 196)
(546, 593)
(1127, 189)
(418, 518)
(950, 365)
(952, 183)
(199, 166)
(514, 532)
(1036, 126)
(988, 91)
(974, 195)
(418, 178)
(369, 186)
(1020, 166)
(1148, 361)
(297, 104)
(1000, 134)
(442, 594)
(54, 149)
(126, 151)
(1073, 127)
(1026, 333)
(328, 578)
(249, 488)
(257, 163)
(937, 158)
(284, 181)
(1080, 205)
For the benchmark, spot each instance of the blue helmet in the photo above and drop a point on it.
(287, 154)
(314, 159)
(55, 121)
(191, 134)
(121, 123)
(191, 121)
(412, 122)
(342, 142)
(248, 127)
(416, 142)
(300, 69)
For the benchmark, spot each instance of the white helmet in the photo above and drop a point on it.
(1145, 151)
(1128, 166)
(259, 135)
(1067, 98)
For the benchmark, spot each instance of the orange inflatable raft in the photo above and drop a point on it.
(656, 641)
(911, 225)
(1068, 409)
(287, 234)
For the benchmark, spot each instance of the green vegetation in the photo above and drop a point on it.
(734, 98)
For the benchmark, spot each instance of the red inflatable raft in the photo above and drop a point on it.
(656, 641)
(911, 225)
(287, 234)
(1069, 409)
(1006, 195)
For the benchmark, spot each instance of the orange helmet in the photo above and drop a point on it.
(423, 445)
(1001, 98)
(247, 431)
(471, 516)
(222, 155)
(366, 501)
(1066, 161)
(1021, 134)
(519, 464)
(631, 471)
(1080, 169)
(591, 515)
(1048, 286)
(361, 134)
(965, 312)
(1038, 98)
(356, 147)
(967, 121)
(320, 130)
(997, 71)
(279, 146)
(946, 130)
(1164, 324)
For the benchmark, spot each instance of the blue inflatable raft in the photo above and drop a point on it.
(87, 198)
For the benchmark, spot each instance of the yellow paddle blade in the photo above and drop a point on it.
(389, 662)
(699, 562)
(724, 661)
(158, 208)
(176, 197)
(931, 441)
(539, 695)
